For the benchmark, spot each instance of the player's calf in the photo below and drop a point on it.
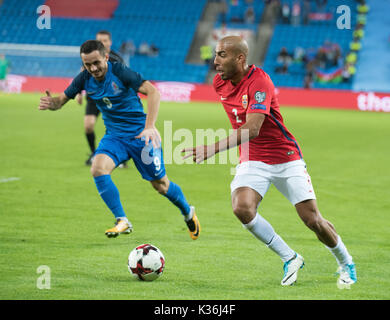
(312, 218)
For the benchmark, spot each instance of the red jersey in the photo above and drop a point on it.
(256, 94)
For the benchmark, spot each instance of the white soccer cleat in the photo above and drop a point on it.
(347, 276)
(291, 269)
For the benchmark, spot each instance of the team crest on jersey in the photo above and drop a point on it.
(245, 101)
(259, 96)
(115, 88)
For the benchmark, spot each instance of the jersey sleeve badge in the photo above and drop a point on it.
(259, 96)
(245, 101)
(115, 88)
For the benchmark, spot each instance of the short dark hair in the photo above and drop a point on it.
(107, 33)
(92, 45)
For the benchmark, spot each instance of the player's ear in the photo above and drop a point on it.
(241, 57)
(106, 57)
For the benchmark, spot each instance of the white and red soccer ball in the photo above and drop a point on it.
(146, 262)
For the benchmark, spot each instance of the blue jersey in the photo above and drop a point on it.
(116, 97)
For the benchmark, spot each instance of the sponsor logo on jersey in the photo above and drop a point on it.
(245, 101)
(222, 98)
(259, 96)
(258, 107)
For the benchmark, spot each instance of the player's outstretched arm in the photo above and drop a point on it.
(248, 131)
(52, 103)
(150, 132)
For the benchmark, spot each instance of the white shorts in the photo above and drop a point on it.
(290, 178)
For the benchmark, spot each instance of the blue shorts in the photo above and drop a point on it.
(148, 160)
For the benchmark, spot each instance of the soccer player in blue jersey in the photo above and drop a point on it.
(91, 111)
(130, 133)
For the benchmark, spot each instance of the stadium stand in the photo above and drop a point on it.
(241, 14)
(151, 21)
(302, 32)
(375, 47)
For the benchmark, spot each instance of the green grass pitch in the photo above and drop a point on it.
(52, 214)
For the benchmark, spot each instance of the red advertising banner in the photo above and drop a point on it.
(186, 92)
(336, 99)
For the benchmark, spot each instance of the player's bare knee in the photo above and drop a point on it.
(97, 171)
(160, 186)
(161, 190)
(243, 210)
(89, 129)
(89, 124)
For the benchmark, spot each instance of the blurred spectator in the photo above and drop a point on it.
(361, 19)
(310, 54)
(321, 5)
(335, 59)
(310, 73)
(285, 13)
(148, 50)
(299, 54)
(351, 57)
(4, 65)
(348, 71)
(144, 49)
(224, 10)
(362, 7)
(206, 54)
(127, 50)
(296, 13)
(284, 60)
(355, 45)
(237, 19)
(321, 58)
(359, 31)
(308, 80)
(332, 53)
(154, 50)
(305, 11)
(249, 15)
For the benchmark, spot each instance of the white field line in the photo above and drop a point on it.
(4, 180)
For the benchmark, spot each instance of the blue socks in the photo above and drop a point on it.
(110, 194)
(176, 196)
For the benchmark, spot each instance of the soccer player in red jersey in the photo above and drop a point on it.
(269, 154)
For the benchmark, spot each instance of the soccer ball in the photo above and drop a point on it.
(146, 262)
